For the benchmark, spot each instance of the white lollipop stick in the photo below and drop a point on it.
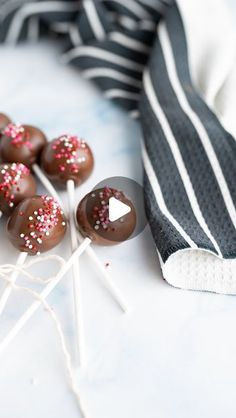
(106, 278)
(79, 323)
(8, 289)
(46, 183)
(43, 295)
(80, 352)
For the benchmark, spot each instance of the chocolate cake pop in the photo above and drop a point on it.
(93, 217)
(16, 184)
(67, 158)
(4, 121)
(36, 225)
(21, 143)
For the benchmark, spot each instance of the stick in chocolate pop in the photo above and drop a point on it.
(16, 184)
(36, 225)
(68, 161)
(87, 217)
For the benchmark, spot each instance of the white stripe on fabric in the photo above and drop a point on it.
(115, 74)
(34, 8)
(129, 42)
(94, 20)
(134, 7)
(197, 123)
(74, 34)
(118, 93)
(9, 7)
(160, 199)
(92, 51)
(67, 27)
(150, 92)
(33, 29)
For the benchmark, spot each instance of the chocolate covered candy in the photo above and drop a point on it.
(36, 225)
(67, 158)
(16, 184)
(21, 143)
(93, 217)
(4, 121)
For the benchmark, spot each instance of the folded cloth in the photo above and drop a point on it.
(172, 65)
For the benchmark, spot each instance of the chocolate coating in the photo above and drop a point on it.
(67, 158)
(36, 225)
(4, 121)
(21, 144)
(93, 217)
(16, 183)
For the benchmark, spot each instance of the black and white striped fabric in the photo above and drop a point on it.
(137, 52)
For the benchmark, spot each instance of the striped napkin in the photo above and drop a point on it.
(171, 65)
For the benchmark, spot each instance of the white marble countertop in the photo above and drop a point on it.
(173, 356)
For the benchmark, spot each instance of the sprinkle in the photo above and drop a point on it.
(18, 135)
(42, 221)
(66, 149)
(100, 212)
(12, 175)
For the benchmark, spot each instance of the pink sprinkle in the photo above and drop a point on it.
(11, 176)
(18, 135)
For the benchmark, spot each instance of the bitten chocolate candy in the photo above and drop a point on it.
(4, 121)
(21, 144)
(93, 217)
(36, 225)
(16, 183)
(67, 158)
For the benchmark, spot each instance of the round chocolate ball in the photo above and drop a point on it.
(16, 183)
(93, 217)
(21, 144)
(36, 225)
(4, 121)
(67, 158)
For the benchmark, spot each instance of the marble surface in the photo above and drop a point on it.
(173, 355)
